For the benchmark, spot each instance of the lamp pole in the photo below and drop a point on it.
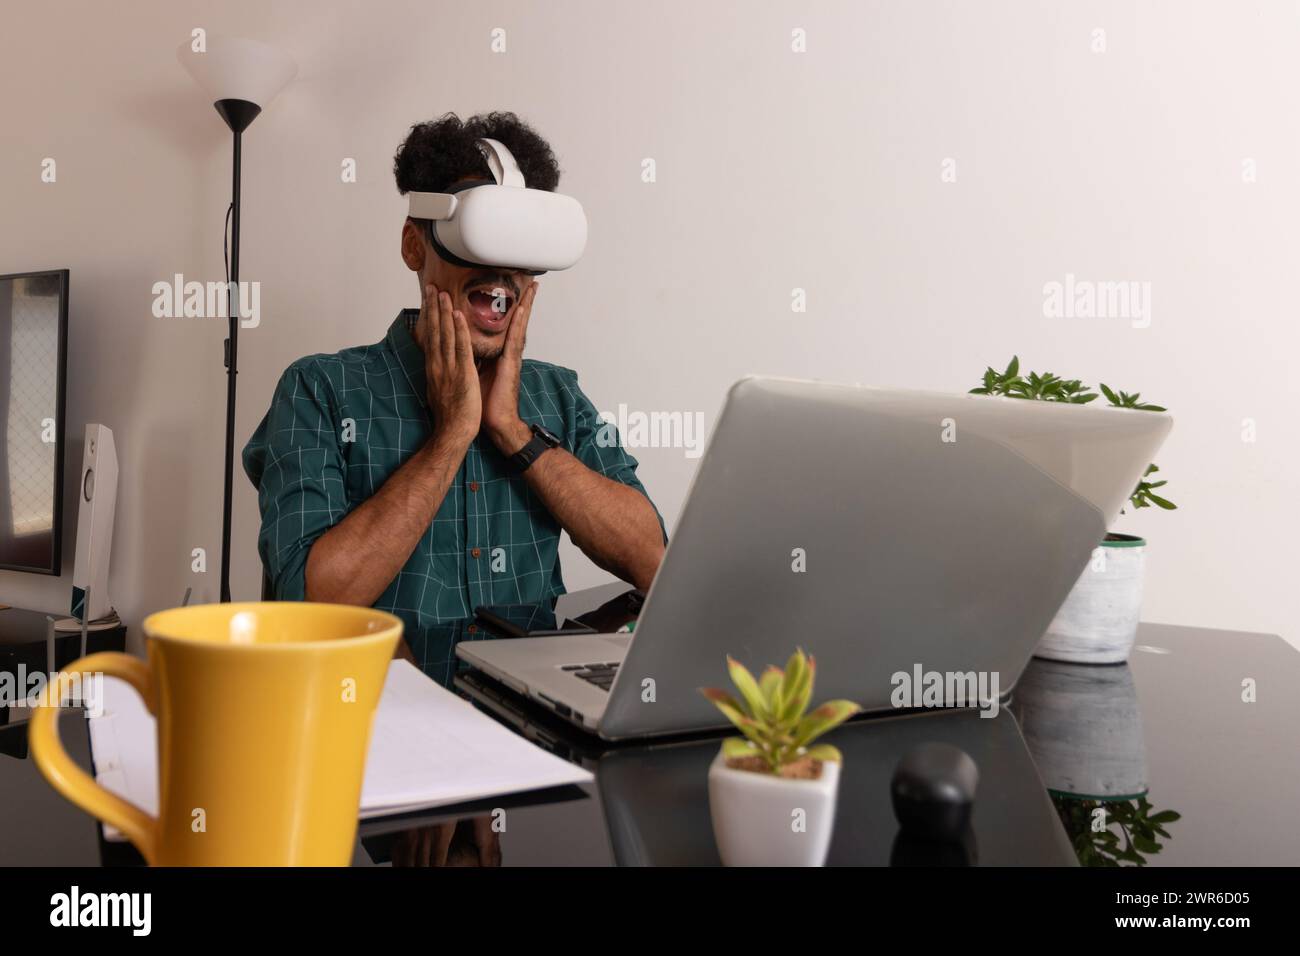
(243, 76)
(237, 114)
(232, 369)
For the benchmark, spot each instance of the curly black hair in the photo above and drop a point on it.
(439, 152)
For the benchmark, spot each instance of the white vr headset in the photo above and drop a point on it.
(502, 223)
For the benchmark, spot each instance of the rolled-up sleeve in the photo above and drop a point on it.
(296, 462)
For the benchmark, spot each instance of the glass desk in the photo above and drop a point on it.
(1170, 731)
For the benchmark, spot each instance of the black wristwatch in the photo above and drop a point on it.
(543, 439)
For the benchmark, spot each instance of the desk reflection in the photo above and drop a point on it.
(468, 842)
(649, 804)
(1083, 726)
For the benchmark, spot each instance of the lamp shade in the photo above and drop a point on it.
(236, 69)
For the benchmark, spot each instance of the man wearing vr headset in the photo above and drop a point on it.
(431, 473)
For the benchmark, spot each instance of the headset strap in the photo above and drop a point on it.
(502, 163)
(436, 206)
(441, 206)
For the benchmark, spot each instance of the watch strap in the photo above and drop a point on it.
(540, 442)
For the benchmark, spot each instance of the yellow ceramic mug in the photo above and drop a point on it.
(264, 714)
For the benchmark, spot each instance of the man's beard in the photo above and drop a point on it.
(489, 351)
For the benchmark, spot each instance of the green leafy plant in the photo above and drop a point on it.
(772, 714)
(1138, 826)
(1048, 387)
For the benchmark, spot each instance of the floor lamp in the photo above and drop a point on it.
(242, 76)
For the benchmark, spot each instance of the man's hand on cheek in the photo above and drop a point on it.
(500, 376)
(453, 395)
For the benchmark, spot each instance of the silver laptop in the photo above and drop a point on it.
(883, 531)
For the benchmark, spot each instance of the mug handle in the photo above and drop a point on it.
(64, 774)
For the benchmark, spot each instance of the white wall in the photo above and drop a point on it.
(776, 170)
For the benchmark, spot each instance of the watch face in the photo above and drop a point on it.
(546, 435)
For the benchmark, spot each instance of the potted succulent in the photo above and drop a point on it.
(771, 791)
(1098, 622)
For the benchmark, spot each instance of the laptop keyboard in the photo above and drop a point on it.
(602, 675)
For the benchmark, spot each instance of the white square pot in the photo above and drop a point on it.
(764, 820)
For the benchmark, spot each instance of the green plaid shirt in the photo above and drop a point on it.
(339, 425)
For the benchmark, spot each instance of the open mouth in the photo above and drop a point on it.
(489, 308)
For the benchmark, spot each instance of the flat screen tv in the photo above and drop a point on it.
(33, 359)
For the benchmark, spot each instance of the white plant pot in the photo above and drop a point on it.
(1098, 622)
(763, 820)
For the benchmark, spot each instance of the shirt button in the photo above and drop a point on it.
(473, 486)
(474, 552)
(473, 629)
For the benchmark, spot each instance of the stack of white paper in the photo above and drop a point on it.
(428, 748)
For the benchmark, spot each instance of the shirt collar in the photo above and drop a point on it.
(408, 352)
